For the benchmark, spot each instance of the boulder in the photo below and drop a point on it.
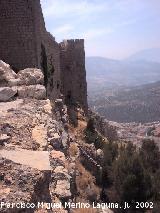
(34, 159)
(6, 93)
(6, 74)
(55, 141)
(31, 76)
(4, 138)
(39, 135)
(15, 82)
(62, 189)
(61, 173)
(32, 91)
(57, 158)
(65, 139)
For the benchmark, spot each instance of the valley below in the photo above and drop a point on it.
(126, 94)
(129, 104)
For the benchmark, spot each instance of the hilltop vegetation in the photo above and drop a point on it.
(128, 174)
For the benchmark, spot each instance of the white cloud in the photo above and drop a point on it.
(61, 8)
(65, 29)
(95, 33)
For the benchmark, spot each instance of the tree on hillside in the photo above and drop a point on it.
(131, 181)
(150, 155)
(92, 135)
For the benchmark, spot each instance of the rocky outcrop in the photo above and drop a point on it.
(4, 138)
(6, 73)
(104, 127)
(31, 76)
(22, 184)
(6, 93)
(33, 143)
(26, 83)
(28, 158)
(32, 91)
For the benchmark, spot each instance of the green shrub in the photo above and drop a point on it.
(132, 182)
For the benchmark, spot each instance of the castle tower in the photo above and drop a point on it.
(74, 86)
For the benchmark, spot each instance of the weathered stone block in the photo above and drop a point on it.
(6, 93)
(4, 138)
(55, 141)
(6, 74)
(31, 76)
(32, 91)
(62, 189)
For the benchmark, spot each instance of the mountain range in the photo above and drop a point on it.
(146, 55)
(141, 68)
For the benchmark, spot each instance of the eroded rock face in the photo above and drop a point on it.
(35, 172)
(57, 158)
(32, 91)
(21, 184)
(31, 76)
(39, 134)
(28, 83)
(33, 142)
(63, 189)
(4, 138)
(6, 93)
(34, 159)
(55, 141)
(61, 186)
(6, 73)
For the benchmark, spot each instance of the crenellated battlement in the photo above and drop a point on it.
(72, 59)
(72, 43)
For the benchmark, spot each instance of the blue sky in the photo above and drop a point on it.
(111, 28)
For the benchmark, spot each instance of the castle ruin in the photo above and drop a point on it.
(25, 42)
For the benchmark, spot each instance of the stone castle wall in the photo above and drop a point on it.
(17, 33)
(74, 86)
(24, 42)
(53, 65)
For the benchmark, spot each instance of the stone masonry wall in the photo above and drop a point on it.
(24, 41)
(74, 86)
(47, 45)
(17, 33)
(53, 66)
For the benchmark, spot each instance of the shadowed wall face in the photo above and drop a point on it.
(73, 72)
(24, 41)
(17, 33)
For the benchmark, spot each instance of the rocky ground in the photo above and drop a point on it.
(33, 144)
(33, 163)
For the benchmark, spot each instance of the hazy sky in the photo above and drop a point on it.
(111, 28)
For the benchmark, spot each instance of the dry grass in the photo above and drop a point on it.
(85, 178)
(86, 184)
(73, 150)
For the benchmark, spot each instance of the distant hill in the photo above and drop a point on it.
(108, 73)
(146, 55)
(137, 104)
